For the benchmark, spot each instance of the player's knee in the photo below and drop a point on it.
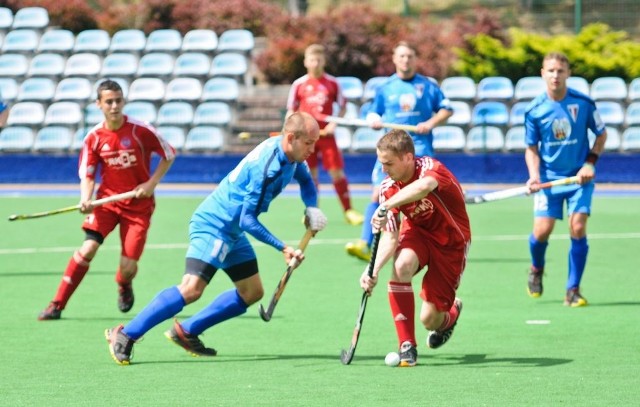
(251, 295)
(431, 320)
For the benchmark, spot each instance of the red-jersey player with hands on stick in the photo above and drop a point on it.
(434, 232)
(120, 147)
(315, 93)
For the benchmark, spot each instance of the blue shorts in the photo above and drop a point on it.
(218, 252)
(548, 203)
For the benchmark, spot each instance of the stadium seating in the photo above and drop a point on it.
(485, 138)
(200, 40)
(156, 64)
(212, 114)
(165, 40)
(8, 89)
(57, 40)
(149, 89)
(365, 139)
(613, 141)
(516, 114)
(194, 64)
(461, 113)
(343, 137)
(352, 88)
(221, 88)
(124, 84)
(370, 86)
(490, 112)
(16, 139)
(13, 65)
(529, 87)
(76, 89)
(495, 87)
(141, 110)
(174, 135)
(95, 41)
(459, 87)
(612, 113)
(26, 114)
(132, 40)
(175, 114)
(204, 139)
(6, 19)
(631, 139)
(237, 40)
(609, 88)
(578, 83)
(448, 138)
(184, 89)
(21, 41)
(632, 114)
(514, 139)
(229, 64)
(77, 140)
(634, 90)
(92, 115)
(55, 139)
(64, 113)
(31, 17)
(37, 89)
(83, 64)
(122, 64)
(365, 109)
(47, 64)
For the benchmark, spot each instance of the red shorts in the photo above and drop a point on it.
(327, 148)
(445, 265)
(133, 226)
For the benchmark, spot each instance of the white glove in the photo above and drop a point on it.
(314, 219)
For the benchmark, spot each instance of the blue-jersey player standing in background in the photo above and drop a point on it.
(406, 97)
(557, 123)
(218, 241)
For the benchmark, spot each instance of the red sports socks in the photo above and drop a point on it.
(73, 275)
(402, 301)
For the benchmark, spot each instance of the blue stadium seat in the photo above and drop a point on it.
(92, 115)
(343, 137)
(22, 41)
(459, 87)
(143, 111)
(95, 41)
(26, 114)
(578, 83)
(613, 141)
(352, 110)
(221, 88)
(365, 139)
(632, 114)
(64, 113)
(83, 64)
(131, 40)
(156, 64)
(37, 89)
(185, 89)
(76, 89)
(229, 64)
(609, 88)
(77, 140)
(47, 64)
(612, 113)
(514, 139)
(124, 84)
(31, 17)
(631, 139)
(449, 138)
(16, 139)
(8, 89)
(352, 88)
(529, 87)
(371, 85)
(495, 87)
(634, 90)
(120, 64)
(164, 40)
(200, 40)
(485, 138)
(13, 65)
(490, 112)
(174, 135)
(175, 114)
(236, 40)
(516, 114)
(212, 113)
(365, 109)
(6, 19)
(205, 139)
(461, 113)
(194, 64)
(149, 89)
(58, 40)
(56, 139)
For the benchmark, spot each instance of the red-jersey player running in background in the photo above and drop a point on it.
(120, 147)
(434, 232)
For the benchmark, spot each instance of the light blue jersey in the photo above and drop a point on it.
(559, 129)
(245, 193)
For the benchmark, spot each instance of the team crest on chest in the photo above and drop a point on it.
(407, 102)
(419, 89)
(573, 111)
(561, 129)
(125, 142)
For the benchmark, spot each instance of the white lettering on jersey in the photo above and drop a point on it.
(123, 160)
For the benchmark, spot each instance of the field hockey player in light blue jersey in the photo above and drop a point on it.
(218, 241)
(557, 124)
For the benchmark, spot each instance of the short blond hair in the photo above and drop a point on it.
(314, 49)
(558, 56)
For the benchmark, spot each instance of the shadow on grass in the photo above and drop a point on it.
(57, 272)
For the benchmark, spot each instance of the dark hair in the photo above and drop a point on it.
(108, 85)
(398, 142)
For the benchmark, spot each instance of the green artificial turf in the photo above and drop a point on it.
(507, 350)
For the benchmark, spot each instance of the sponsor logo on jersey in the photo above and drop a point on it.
(561, 129)
(124, 159)
(407, 102)
(424, 206)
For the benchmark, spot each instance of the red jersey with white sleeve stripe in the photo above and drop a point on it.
(442, 212)
(315, 96)
(123, 158)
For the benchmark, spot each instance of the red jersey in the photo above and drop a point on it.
(123, 156)
(315, 96)
(442, 212)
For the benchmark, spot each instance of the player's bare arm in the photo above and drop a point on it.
(588, 170)
(532, 159)
(413, 192)
(146, 189)
(386, 250)
(87, 186)
(436, 120)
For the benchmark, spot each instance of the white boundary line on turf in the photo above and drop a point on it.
(315, 242)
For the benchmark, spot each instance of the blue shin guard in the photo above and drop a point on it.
(227, 305)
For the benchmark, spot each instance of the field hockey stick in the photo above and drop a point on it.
(512, 192)
(363, 123)
(98, 202)
(347, 355)
(293, 264)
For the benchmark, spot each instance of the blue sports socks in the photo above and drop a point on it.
(538, 250)
(367, 232)
(227, 305)
(577, 261)
(166, 304)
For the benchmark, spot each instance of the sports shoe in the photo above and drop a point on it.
(574, 298)
(408, 354)
(120, 345)
(353, 217)
(535, 282)
(125, 297)
(436, 338)
(53, 311)
(191, 343)
(359, 249)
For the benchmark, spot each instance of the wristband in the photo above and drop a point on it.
(592, 158)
